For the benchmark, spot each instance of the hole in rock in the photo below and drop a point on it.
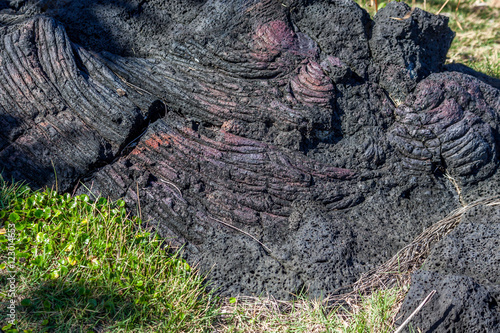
(439, 168)
(492, 303)
(156, 110)
(195, 125)
(406, 194)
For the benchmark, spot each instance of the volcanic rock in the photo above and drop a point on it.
(463, 269)
(286, 145)
(459, 305)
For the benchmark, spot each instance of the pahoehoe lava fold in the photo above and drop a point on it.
(284, 144)
(64, 106)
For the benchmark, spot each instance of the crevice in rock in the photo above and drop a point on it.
(156, 111)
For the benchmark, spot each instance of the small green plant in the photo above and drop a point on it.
(366, 314)
(376, 312)
(82, 265)
(10, 192)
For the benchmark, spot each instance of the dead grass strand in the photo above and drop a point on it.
(371, 306)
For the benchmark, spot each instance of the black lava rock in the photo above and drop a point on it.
(459, 305)
(286, 145)
(463, 268)
(408, 45)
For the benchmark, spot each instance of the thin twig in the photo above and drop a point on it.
(137, 138)
(139, 89)
(408, 15)
(440, 9)
(172, 184)
(427, 299)
(55, 174)
(456, 16)
(138, 201)
(457, 187)
(243, 232)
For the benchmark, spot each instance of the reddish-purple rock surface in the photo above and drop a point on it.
(286, 145)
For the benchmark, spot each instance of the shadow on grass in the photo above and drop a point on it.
(61, 306)
(495, 82)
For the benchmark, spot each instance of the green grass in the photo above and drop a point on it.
(489, 67)
(374, 313)
(85, 265)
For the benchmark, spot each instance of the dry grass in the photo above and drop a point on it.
(372, 313)
(371, 306)
(477, 33)
(398, 269)
(266, 314)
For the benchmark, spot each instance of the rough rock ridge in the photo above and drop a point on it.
(287, 145)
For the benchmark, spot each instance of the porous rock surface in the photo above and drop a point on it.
(463, 268)
(471, 249)
(285, 144)
(460, 304)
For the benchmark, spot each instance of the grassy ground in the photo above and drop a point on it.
(372, 313)
(85, 266)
